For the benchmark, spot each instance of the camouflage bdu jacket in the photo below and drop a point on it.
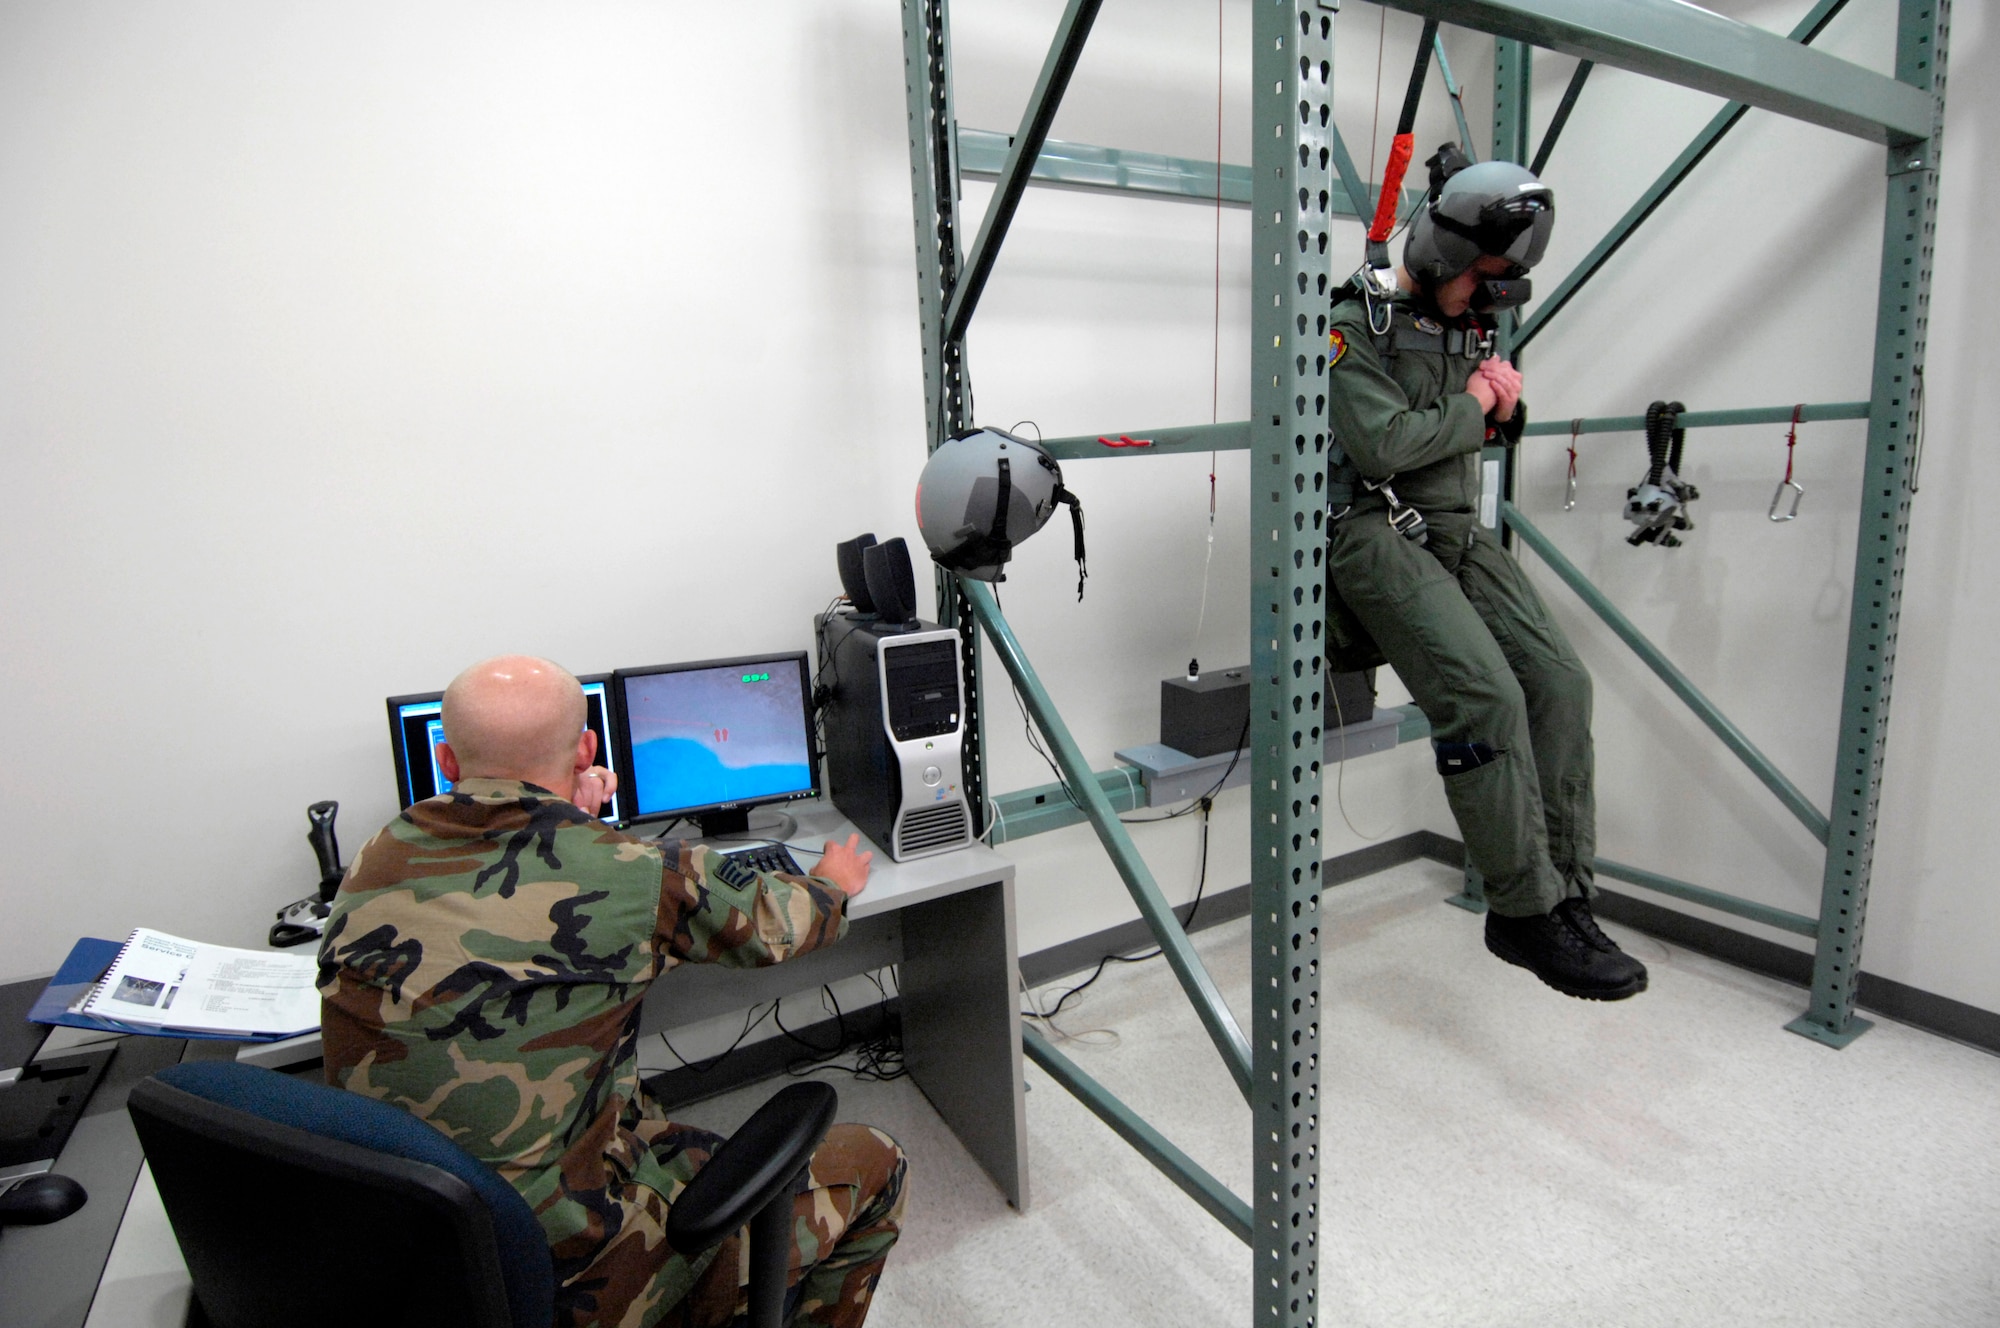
(483, 967)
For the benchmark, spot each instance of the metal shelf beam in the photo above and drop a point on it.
(1681, 43)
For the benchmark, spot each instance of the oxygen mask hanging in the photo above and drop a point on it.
(1660, 504)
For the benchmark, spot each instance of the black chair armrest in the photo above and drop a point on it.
(757, 1164)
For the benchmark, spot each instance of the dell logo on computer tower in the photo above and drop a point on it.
(895, 725)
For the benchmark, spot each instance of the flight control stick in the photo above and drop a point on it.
(303, 919)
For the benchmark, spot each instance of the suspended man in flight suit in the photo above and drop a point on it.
(1415, 580)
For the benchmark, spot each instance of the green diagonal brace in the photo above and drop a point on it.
(1725, 120)
(1685, 44)
(1022, 153)
(1677, 682)
(1715, 899)
(1176, 1166)
(1153, 906)
(1350, 178)
(1452, 90)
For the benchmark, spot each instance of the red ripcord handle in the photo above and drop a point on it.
(1400, 149)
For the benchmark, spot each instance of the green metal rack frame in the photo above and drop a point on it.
(1301, 175)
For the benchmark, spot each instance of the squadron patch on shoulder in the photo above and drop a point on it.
(1336, 346)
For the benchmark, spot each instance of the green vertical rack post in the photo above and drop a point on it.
(934, 191)
(1290, 248)
(1902, 310)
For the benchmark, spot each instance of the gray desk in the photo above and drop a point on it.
(947, 920)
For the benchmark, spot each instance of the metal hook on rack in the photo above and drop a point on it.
(1798, 490)
(1575, 428)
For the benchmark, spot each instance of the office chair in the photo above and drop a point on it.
(298, 1204)
(749, 1181)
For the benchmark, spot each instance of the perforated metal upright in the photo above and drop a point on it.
(1902, 312)
(1292, 180)
(934, 188)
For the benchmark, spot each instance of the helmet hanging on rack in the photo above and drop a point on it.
(983, 493)
(1493, 208)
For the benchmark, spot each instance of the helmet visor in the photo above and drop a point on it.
(1515, 228)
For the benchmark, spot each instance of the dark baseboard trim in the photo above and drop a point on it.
(1941, 1015)
(1878, 995)
(770, 1057)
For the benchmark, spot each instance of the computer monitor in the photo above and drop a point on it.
(713, 739)
(416, 727)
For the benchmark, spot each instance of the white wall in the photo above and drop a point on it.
(343, 344)
(1755, 285)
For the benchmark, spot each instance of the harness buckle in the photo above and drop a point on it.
(1405, 520)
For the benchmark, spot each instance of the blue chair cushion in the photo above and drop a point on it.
(351, 1118)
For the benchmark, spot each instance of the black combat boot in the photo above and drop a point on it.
(1568, 950)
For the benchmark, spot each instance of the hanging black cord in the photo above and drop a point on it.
(1200, 886)
(1656, 442)
(1241, 738)
(750, 1021)
(840, 1025)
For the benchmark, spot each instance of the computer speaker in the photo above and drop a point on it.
(892, 585)
(853, 573)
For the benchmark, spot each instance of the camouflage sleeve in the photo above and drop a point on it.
(717, 911)
(1372, 416)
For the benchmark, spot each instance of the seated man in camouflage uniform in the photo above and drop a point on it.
(483, 968)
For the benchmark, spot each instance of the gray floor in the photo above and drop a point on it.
(1496, 1154)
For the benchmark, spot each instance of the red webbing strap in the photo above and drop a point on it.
(1392, 187)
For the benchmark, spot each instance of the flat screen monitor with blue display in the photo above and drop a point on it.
(416, 727)
(711, 740)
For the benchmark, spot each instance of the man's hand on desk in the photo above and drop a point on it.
(846, 865)
(594, 787)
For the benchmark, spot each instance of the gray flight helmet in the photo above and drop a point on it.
(982, 494)
(1495, 207)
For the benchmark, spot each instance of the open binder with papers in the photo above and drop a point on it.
(161, 984)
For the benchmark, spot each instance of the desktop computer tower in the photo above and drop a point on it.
(894, 732)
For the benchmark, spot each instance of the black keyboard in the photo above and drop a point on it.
(766, 857)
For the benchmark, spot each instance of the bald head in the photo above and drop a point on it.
(515, 717)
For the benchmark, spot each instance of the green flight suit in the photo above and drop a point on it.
(1453, 613)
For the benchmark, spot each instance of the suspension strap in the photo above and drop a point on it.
(1400, 149)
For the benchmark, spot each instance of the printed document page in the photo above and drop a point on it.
(167, 982)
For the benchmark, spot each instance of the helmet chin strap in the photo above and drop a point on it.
(1070, 500)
